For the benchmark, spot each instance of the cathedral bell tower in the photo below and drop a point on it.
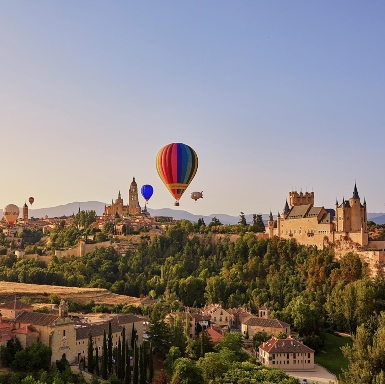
(25, 212)
(133, 200)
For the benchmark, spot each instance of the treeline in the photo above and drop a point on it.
(289, 278)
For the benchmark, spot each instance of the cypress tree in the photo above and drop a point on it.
(133, 336)
(123, 349)
(105, 357)
(136, 365)
(119, 360)
(127, 375)
(91, 364)
(109, 348)
(142, 367)
(97, 371)
(150, 364)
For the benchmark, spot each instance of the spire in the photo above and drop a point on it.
(336, 201)
(279, 215)
(119, 196)
(355, 192)
(286, 209)
(364, 201)
(271, 217)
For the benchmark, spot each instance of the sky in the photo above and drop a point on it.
(273, 96)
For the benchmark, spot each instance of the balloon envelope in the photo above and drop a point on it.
(177, 165)
(31, 200)
(147, 191)
(11, 213)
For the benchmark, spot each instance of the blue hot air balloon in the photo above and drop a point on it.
(147, 191)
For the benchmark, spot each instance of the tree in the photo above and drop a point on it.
(7, 353)
(260, 337)
(150, 364)
(97, 370)
(186, 372)
(366, 356)
(90, 349)
(109, 349)
(133, 336)
(173, 355)
(231, 341)
(127, 370)
(104, 357)
(242, 220)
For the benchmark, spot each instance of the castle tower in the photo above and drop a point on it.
(25, 212)
(278, 225)
(270, 224)
(133, 201)
(356, 219)
(301, 198)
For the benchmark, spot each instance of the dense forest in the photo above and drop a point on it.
(302, 285)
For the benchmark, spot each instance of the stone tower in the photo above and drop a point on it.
(63, 309)
(25, 212)
(270, 223)
(133, 201)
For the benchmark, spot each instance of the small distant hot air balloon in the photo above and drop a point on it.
(177, 165)
(31, 200)
(197, 195)
(11, 213)
(147, 191)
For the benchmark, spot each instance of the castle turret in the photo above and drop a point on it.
(286, 209)
(356, 219)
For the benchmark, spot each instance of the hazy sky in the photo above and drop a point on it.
(272, 95)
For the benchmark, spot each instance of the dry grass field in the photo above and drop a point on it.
(80, 295)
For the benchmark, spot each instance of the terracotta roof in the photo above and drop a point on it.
(128, 318)
(97, 330)
(267, 323)
(287, 345)
(35, 318)
(5, 326)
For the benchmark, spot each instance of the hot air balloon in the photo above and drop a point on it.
(31, 200)
(196, 195)
(147, 191)
(11, 213)
(177, 165)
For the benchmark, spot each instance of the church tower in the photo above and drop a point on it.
(133, 201)
(25, 212)
(356, 219)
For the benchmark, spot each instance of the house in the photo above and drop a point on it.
(253, 324)
(218, 315)
(11, 309)
(287, 354)
(201, 320)
(216, 333)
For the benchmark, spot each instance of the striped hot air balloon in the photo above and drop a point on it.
(177, 165)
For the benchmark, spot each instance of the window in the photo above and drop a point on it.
(64, 333)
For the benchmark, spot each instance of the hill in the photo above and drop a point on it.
(98, 207)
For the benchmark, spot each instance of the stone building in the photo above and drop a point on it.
(287, 354)
(311, 225)
(253, 324)
(118, 207)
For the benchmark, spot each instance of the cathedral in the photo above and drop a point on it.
(118, 208)
(319, 226)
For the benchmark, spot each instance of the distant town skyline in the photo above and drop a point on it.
(272, 96)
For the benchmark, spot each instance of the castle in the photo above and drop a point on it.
(118, 208)
(319, 226)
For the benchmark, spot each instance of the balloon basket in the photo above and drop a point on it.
(176, 203)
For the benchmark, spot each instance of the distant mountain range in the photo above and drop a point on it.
(98, 207)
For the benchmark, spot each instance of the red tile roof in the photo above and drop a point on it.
(287, 345)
